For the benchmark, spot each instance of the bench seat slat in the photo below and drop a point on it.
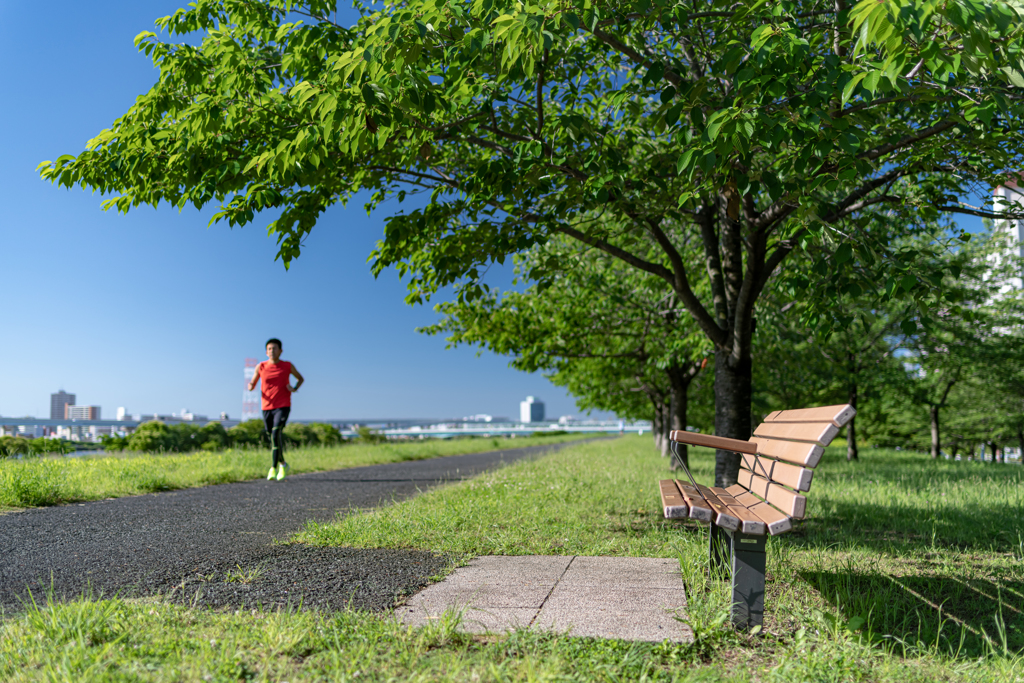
(777, 522)
(672, 502)
(798, 478)
(723, 516)
(699, 510)
(793, 504)
(820, 433)
(805, 454)
(749, 522)
(837, 415)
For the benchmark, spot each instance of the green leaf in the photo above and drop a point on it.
(844, 253)
(848, 90)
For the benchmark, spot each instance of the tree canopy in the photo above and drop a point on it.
(751, 130)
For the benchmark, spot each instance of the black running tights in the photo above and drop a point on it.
(274, 421)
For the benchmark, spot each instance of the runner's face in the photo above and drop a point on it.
(273, 352)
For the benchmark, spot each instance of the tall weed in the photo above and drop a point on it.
(35, 482)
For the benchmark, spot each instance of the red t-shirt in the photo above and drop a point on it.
(274, 387)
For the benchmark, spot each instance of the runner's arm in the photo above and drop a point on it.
(255, 377)
(296, 375)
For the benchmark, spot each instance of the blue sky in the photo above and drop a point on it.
(156, 312)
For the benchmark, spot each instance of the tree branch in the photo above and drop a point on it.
(682, 284)
(908, 140)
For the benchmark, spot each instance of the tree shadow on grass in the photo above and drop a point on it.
(955, 614)
(905, 528)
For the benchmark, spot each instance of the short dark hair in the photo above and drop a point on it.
(274, 340)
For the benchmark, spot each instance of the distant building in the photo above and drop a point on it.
(57, 403)
(478, 418)
(187, 415)
(73, 412)
(122, 414)
(1010, 196)
(531, 410)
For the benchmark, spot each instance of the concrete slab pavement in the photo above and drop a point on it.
(631, 598)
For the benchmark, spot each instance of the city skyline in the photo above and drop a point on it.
(67, 403)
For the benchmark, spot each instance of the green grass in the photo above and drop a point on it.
(33, 482)
(906, 570)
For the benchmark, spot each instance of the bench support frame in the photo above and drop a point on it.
(747, 559)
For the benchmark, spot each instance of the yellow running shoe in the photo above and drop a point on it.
(281, 470)
(271, 474)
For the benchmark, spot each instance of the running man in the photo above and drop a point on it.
(277, 401)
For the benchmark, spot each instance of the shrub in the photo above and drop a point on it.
(12, 445)
(367, 435)
(300, 435)
(249, 433)
(114, 443)
(213, 433)
(326, 435)
(153, 437)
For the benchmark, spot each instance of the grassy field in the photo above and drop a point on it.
(33, 482)
(906, 570)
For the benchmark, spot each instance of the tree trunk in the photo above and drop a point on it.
(936, 442)
(955, 448)
(992, 447)
(657, 425)
(679, 380)
(1020, 442)
(851, 433)
(732, 412)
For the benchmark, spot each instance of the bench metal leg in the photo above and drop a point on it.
(749, 561)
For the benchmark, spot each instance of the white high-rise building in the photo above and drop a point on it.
(1010, 196)
(531, 410)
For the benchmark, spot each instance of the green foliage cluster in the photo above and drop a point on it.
(369, 436)
(11, 446)
(158, 437)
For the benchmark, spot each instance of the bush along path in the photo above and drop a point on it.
(217, 545)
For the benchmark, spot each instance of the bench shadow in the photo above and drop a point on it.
(967, 616)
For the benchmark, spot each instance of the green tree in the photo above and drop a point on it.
(153, 437)
(968, 335)
(212, 437)
(756, 129)
(610, 334)
(326, 435)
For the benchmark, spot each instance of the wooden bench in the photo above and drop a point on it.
(777, 466)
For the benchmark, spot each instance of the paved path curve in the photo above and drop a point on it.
(217, 545)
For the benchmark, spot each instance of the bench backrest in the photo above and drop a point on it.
(779, 459)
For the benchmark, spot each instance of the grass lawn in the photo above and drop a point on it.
(906, 570)
(32, 482)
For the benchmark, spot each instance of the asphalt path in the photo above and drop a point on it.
(221, 545)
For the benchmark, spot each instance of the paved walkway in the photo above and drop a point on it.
(632, 598)
(192, 539)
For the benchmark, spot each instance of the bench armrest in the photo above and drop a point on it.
(695, 439)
